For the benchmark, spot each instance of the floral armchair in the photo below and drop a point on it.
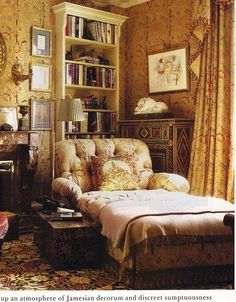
(83, 165)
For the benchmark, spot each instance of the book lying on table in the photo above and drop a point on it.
(67, 216)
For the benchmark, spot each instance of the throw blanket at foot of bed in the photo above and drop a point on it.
(156, 229)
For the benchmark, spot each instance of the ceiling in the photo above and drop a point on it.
(120, 3)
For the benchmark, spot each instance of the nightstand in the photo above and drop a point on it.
(68, 244)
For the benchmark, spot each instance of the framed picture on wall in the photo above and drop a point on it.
(41, 42)
(40, 77)
(40, 115)
(168, 71)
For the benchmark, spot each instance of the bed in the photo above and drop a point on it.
(175, 236)
(157, 236)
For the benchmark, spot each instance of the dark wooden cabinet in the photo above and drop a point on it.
(169, 141)
(18, 163)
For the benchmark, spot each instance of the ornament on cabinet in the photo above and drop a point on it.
(24, 120)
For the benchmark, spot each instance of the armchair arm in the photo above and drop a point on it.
(168, 181)
(68, 190)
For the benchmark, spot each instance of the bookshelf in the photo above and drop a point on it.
(87, 67)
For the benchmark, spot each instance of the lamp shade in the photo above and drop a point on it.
(70, 110)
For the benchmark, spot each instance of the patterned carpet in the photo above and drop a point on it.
(22, 268)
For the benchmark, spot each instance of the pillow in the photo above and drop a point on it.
(114, 173)
(168, 181)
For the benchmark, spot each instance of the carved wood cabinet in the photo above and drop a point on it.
(169, 141)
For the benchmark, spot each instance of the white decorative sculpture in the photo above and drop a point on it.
(148, 105)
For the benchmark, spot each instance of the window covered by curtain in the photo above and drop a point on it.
(211, 166)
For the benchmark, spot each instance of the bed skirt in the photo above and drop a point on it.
(194, 277)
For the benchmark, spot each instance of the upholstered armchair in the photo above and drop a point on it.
(83, 165)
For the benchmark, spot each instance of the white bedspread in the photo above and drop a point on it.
(129, 217)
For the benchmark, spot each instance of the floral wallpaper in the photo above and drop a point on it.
(152, 26)
(16, 19)
(155, 26)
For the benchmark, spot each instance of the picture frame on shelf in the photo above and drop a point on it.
(41, 77)
(41, 115)
(41, 42)
(168, 71)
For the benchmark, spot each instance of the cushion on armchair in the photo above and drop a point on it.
(115, 173)
(168, 181)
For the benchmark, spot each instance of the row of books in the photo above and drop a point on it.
(102, 32)
(93, 122)
(79, 27)
(77, 74)
(93, 102)
(75, 26)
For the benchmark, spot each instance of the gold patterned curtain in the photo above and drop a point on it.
(211, 164)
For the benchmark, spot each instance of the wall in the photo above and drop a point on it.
(154, 26)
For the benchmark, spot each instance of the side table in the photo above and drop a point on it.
(68, 244)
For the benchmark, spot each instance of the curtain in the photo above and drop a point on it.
(211, 163)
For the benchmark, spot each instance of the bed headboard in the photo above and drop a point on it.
(72, 158)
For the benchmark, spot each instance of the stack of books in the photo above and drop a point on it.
(66, 216)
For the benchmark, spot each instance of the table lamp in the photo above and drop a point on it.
(70, 110)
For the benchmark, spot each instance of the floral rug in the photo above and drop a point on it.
(22, 268)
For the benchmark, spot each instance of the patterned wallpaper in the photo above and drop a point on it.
(152, 26)
(16, 19)
(155, 26)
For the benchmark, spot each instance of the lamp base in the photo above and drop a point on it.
(23, 125)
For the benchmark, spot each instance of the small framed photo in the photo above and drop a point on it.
(41, 42)
(40, 115)
(168, 71)
(41, 74)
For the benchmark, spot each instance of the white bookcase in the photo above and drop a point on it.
(101, 40)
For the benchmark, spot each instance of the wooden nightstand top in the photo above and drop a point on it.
(86, 223)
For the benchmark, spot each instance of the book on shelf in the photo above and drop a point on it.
(81, 75)
(108, 34)
(84, 123)
(92, 121)
(73, 19)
